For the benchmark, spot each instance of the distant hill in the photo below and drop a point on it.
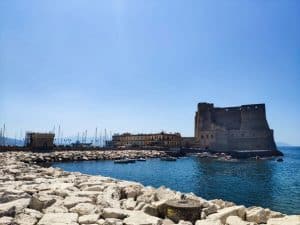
(12, 141)
(282, 144)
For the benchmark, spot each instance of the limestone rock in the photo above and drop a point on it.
(5, 220)
(88, 219)
(287, 220)
(235, 220)
(183, 222)
(129, 204)
(71, 201)
(59, 218)
(114, 213)
(56, 208)
(24, 219)
(226, 212)
(141, 218)
(10, 208)
(257, 214)
(150, 210)
(221, 204)
(208, 222)
(83, 208)
(33, 213)
(41, 202)
(167, 221)
(112, 221)
(163, 193)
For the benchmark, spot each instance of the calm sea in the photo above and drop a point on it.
(271, 184)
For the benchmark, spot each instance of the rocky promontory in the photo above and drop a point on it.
(34, 195)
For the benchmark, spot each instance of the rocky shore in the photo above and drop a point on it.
(62, 156)
(34, 195)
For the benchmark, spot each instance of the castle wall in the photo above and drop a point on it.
(233, 128)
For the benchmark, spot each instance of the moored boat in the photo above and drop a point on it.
(125, 161)
(141, 159)
(168, 158)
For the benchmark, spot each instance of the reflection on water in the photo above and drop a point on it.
(264, 183)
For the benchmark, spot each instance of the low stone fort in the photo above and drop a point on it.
(238, 128)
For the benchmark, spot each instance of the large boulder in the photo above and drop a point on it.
(59, 218)
(83, 208)
(114, 213)
(208, 222)
(129, 204)
(221, 204)
(141, 218)
(257, 214)
(235, 220)
(16, 206)
(287, 220)
(6, 220)
(71, 201)
(226, 212)
(25, 219)
(88, 219)
(40, 202)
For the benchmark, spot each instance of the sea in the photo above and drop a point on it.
(266, 183)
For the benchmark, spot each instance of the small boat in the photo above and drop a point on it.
(168, 159)
(125, 161)
(141, 159)
(280, 160)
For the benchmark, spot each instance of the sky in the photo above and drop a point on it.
(142, 66)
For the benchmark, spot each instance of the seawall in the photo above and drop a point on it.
(31, 194)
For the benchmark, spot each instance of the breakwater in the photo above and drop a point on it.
(31, 194)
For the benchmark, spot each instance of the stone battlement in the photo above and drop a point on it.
(242, 127)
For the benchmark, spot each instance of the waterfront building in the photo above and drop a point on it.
(162, 139)
(240, 128)
(39, 141)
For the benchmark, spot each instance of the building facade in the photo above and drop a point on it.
(39, 141)
(233, 128)
(142, 140)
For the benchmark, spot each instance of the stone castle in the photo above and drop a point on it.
(238, 128)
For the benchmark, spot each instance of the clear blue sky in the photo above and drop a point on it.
(142, 66)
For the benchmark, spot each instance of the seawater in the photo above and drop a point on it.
(266, 183)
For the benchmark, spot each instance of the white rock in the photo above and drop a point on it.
(83, 208)
(6, 220)
(257, 214)
(129, 204)
(287, 220)
(114, 213)
(183, 222)
(208, 222)
(24, 219)
(88, 219)
(41, 202)
(16, 205)
(71, 201)
(33, 213)
(141, 218)
(56, 208)
(58, 218)
(235, 220)
(230, 211)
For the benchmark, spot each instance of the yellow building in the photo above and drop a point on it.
(140, 140)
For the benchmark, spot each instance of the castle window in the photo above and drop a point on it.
(202, 137)
(207, 136)
(212, 136)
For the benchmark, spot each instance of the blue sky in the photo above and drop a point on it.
(142, 66)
